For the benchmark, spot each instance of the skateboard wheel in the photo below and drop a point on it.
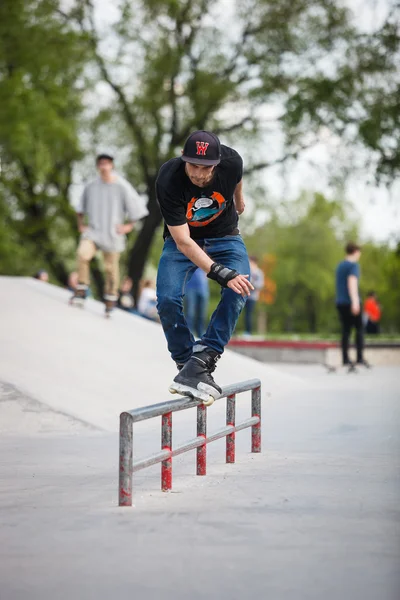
(209, 401)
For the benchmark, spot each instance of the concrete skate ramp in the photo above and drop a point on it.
(83, 366)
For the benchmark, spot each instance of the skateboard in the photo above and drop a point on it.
(329, 368)
(76, 301)
(109, 307)
(80, 303)
(205, 398)
(347, 369)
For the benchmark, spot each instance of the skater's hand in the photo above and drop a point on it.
(240, 206)
(355, 308)
(241, 285)
(83, 228)
(126, 228)
(238, 198)
(230, 278)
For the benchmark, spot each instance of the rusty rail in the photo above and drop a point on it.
(164, 410)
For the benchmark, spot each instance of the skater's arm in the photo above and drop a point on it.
(125, 228)
(189, 248)
(81, 222)
(238, 198)
(81, 210)
(236, 282)
(134, 208)
(352, 286)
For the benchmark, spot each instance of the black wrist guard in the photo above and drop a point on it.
(221, 274)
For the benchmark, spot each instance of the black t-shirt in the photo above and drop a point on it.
(209, 211)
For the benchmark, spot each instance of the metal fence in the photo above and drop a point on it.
(164, 410)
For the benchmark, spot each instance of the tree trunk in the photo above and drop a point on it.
(141, 248)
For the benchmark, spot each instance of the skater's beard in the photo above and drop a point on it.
(200, 176)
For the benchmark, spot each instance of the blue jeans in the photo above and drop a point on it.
(196, 311)
(174, 270)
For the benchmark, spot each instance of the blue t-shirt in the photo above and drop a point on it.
(343, 270)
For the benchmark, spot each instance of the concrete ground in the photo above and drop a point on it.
(316, 515)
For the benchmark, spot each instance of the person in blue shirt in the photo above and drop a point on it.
(196, 302)
(257, 279)
(348, 302)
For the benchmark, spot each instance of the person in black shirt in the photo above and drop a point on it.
(200, 196)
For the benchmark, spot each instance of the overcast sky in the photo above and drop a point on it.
(378, 208)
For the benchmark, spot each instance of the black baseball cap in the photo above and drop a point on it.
(202, 148)
(104, 157)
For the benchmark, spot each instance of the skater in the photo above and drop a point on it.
(42, 275)
(196, 302)
(257, 279)
(147, 303)
(105, 203)
(200, 196)
(348, 304)
(125, 300)
(73, 281)
(372, 314)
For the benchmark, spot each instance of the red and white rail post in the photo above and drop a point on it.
(201, 468)
(166, 444)
(164, 410)
(125, 459)
(256, 412)
(230, 421)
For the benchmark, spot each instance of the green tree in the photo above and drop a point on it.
(391, 296)
(41, 62)
(380, 272)
(306, 238)
(358, 96)
(178, 66)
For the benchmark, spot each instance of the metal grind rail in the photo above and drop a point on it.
(164, 410)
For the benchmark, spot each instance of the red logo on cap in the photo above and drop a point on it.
(202, 148)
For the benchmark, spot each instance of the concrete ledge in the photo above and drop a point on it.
(292, 351)
(296, 344)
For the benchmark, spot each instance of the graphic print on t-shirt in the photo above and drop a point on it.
(201, 211)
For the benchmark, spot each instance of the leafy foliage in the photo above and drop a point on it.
(308, 241)
(177, 67)
(300, 67)
(41, 61)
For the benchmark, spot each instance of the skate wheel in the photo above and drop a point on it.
(172, 391)
(209, 401)
(77, 303)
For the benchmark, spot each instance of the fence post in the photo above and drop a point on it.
(230, 420)
(202, 432)
(166, 444)
(256, 412)
(125, 459)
